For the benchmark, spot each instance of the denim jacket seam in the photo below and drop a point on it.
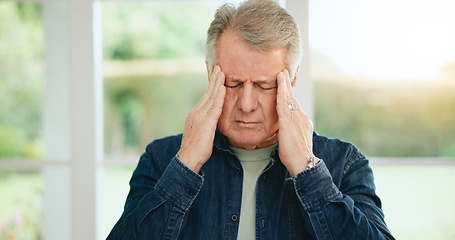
(323, 221)
(175, 201)
(313, 199)
(352, 157)
(151, 210)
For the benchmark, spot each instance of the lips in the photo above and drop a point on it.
(247, 123)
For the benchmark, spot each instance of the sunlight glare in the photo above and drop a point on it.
(396, 40)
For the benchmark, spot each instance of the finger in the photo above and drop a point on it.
(215, 72)
(219, 89)
(281, 91)
(290, 94)
(218, 81)
(219, 101)
(290, 91)
(288, 83)
(209, 96)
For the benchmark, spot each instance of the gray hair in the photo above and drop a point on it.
(263, 24)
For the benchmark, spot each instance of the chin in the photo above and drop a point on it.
(250, 141)
(241, 139)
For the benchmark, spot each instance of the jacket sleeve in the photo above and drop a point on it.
(157, 201)
(350, 211)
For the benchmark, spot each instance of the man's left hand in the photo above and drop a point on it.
(295, 134)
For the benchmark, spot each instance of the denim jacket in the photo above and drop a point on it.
(336, 199)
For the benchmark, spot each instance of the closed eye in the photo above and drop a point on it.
(233, 85)
(266, 87)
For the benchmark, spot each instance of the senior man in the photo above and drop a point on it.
(248, 164)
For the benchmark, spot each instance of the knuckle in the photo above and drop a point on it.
(192, 114)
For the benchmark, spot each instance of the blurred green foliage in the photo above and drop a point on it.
(21, 82)
(382, 118)
(141, 109)
(398, 119)
(21, 78)
(20, 204)
(154, 30)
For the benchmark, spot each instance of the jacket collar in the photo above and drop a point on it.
(221, 142)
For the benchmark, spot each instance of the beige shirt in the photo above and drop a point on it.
(253, 163)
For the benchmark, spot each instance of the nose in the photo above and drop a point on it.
(247, 99)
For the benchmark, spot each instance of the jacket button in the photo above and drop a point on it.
(234, 218)
(191, 191)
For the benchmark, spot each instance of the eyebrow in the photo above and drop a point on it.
(233, 79)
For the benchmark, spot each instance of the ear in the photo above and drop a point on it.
(294, 80)
(208, 71)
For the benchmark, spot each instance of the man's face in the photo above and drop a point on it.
(249, 118)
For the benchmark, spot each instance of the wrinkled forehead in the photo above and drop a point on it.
(241, 62)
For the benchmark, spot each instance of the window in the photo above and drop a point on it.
(21, 98)
(21, 81)
(152, 79)
(384, 77)
(76, 112)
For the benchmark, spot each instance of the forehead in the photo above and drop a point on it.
(239, 61)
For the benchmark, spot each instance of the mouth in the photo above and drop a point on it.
(247, 123)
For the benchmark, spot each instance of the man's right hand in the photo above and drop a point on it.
(200, 125)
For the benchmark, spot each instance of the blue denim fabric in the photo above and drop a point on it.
(336, 199)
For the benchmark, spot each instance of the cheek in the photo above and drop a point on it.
(269, 104)
(228, 106)
(269, 110)
(230, 99)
